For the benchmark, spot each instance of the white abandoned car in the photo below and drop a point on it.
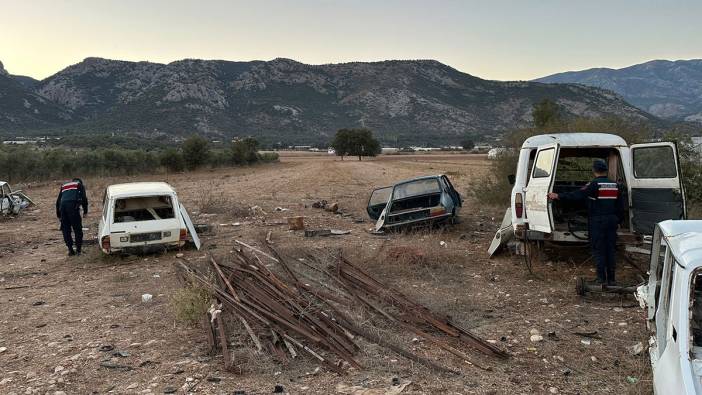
(12, 202)
(673, 299)
(649, 176)
(143, 216)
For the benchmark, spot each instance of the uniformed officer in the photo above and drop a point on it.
(70, 198)
(605, 212)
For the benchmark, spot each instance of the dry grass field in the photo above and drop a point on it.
(58, 313)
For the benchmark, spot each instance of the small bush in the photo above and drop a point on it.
(268, 156)
(190, 304)
(209, 201)
(172, 160)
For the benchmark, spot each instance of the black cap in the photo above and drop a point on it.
(599, 166)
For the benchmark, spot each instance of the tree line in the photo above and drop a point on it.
(31, 163)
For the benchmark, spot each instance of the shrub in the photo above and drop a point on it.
(190, 304)
(268, 156)
(244, 151)
(195, 152)
(172, 160)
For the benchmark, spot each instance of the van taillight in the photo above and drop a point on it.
(105, 243)
(183, 234)
(518, 205)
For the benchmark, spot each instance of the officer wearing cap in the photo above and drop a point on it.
(68, 203)
(605, 212)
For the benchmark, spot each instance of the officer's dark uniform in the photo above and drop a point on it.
(71, 197)
(605, 212)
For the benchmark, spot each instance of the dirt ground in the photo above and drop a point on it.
(58, 313)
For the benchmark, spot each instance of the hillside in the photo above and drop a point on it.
(284, 100)
(22, 109)
(667, 89)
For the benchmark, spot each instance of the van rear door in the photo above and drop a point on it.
(538, 207)
(656, 189)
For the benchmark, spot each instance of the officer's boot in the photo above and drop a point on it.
(78, 248)
(71, 251)
(610, 278)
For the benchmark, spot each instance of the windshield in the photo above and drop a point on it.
(143, 208)
(416, 188)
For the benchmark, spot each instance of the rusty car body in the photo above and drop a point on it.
(417, 201)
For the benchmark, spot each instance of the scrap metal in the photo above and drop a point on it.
(286, 315)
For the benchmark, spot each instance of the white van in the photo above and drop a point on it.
(143, 216)
(649, 175)
(673, 299)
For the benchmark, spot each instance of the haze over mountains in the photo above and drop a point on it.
(418, 101)
(666, 89)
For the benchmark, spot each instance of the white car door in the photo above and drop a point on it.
(656, 190)
(538, 207)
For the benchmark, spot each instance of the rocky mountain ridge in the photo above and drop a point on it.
(667, 89)
(408, 100)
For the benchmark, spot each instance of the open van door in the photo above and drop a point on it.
(656, 188)
(538, 207)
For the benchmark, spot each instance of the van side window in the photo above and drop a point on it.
(544, 163)
(654, 162)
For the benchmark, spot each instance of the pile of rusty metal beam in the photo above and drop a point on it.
(285, 315)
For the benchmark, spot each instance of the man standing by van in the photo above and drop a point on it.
(70, 198)
(605, 212)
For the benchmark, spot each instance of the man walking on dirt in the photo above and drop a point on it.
(70, 198)
(605, 212)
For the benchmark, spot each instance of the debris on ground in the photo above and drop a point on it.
(636, 349)
(12, 202)
(296, 223)
(396, 388)
(325, 232)
(288, 317)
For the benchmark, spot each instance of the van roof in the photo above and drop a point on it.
(139, 189)
(575, 140)
(685, 241)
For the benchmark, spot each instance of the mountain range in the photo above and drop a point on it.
(667, 89)
(415, 101)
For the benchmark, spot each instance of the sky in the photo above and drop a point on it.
(498, 39)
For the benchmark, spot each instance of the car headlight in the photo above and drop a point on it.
(167, 234)
(124, 239)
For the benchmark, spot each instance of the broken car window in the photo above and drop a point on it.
(143, 208)
(416, 188)
(380, 196)
(654, 162)
(544, 162)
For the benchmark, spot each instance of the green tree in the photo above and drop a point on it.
(355, 142)
(691, 170)
(195, 151)
(172, 159)
(467, 144)
(545, 113)
(244, 151)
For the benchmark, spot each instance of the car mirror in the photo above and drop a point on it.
(511, 179)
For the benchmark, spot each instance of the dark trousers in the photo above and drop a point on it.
(603, 240)
(71, 220)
